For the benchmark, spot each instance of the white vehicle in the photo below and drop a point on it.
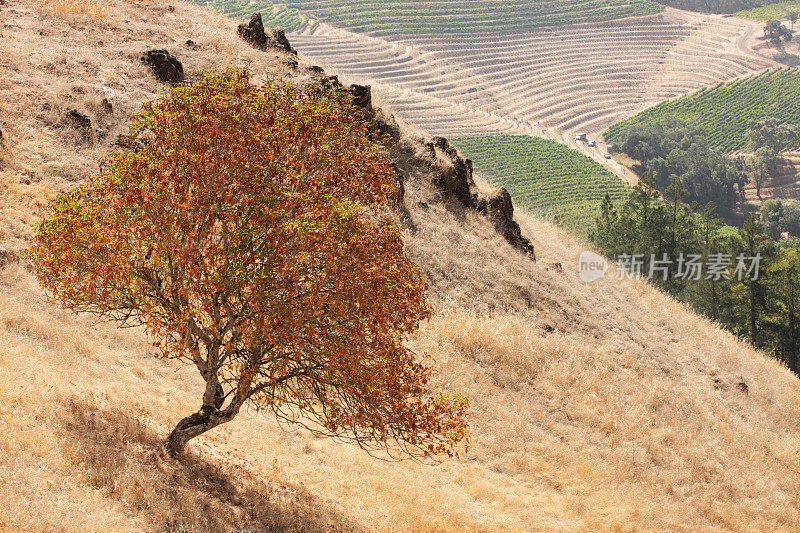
(607, 155)
(592, 144)
(580, 137)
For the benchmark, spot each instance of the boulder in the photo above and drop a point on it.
(255, 34)
(385, 128)
(499, 205)
(330, 84)
(81, 122)
(164, 65)
(361, 95)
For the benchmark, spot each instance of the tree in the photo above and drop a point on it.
(711, 245)
(246, 228)
(772, 133)
(792, 16)
(751, 287)
(790, 222)
(771, 216)
(764, 163)
(605, 224)
(786, 274)
(775, 31)
(668, 147)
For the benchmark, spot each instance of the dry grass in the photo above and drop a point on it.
(90, 8)
(52, 62)
(602, 407)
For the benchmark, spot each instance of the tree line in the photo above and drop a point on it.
(739, 277)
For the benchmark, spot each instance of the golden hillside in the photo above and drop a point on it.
(604, 406)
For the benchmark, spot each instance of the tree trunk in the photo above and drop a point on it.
(192, 426)
(713, 301)
(753, 313)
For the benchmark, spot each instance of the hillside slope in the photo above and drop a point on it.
(602, 406)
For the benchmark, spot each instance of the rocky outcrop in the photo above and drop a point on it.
(451, 173)
(255, 34)
(164, 65)
(454, 180)
(384, 127)
(500, 210)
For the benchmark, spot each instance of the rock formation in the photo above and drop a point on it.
(80, 122)
(255, 34)
(451, 173)
(164, 65)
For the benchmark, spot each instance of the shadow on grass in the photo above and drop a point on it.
(786, 58)
(125, 461)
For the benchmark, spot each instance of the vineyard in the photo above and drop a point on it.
(724, 111)
(274, 15)
(715, 6)
(544, 176)
(393, 17)
(771, 11)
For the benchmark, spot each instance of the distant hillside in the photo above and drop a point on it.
(595, 407)
(716, 6)
(394, 17)
(726, 110)
(771, 11)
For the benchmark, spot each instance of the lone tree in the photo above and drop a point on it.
(246, 228)
(792, 16)
(775, 31)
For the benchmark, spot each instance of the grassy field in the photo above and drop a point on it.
(725, 110)
(770, 12)
(544, 176)
(393, 17)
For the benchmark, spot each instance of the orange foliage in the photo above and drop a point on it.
(246, 228)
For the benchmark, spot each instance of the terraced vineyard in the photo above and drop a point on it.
(401, 17)
(771, 12)
(274, 15)
(544, 176)
(725, 110)
(550, 83)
